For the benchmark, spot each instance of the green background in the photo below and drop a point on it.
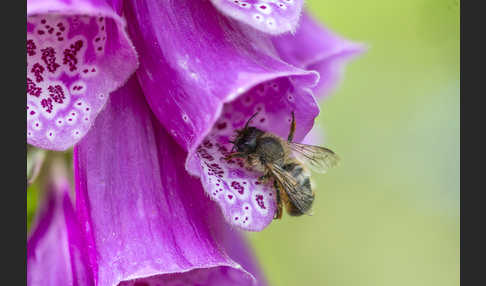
(389, 214)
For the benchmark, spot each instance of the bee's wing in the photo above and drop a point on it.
(290, 186)
(318, 159)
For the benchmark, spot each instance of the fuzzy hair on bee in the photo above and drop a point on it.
(284, 162)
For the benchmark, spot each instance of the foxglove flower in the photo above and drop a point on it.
(314, 47)
(204, 75)
(56, 247)
(199, 70)
(146, 220)
(58, 252)
(77, 53)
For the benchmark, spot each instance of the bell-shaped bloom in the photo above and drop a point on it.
(77, 53)
(204, 75)
(56, 252)
(145, 219)
(203, 68)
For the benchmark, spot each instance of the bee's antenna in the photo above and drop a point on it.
(253, 116)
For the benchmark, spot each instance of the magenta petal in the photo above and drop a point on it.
(245, 202)
(314, 47)
(77, 53)
(270, 16)
(315, 137)
(204, 75)
(238, 248)
(55, 249)
(146, 219)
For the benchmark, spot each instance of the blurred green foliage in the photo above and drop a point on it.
(32, 202)
(389, 214)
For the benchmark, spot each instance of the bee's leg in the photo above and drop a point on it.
(292, 129)
(278, 213)
(233, 155)
(263, 179)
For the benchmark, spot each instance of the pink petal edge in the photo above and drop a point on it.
(270, 16)
(315, 47)
(77, 53)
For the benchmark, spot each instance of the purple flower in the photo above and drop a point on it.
(77, 54)
(161, 86)
(205, 77)
(144, 216)
(197, 248)
(55, 247)
(318, 49)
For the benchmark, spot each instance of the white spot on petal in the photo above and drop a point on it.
(185, 117)
(290, 97)
(271, 23)
(59, 122)
(71, 120)
(245, 5)
(258, 18)
(79, 104)
(230, 197)
(76, 133)
(264, 8)
(246, 208)
(37, 125)
(50, 135)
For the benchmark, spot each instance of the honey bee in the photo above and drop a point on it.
(283, 161)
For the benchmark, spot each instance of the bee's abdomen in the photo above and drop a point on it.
(306, 195)
(299, 174)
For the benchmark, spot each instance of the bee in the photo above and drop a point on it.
(285, 162)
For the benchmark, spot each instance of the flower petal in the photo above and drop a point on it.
(246, 203)
(238, 248)
(315, 137)
(146, 218)
(77, 53)
(55, 249)
(270, 16)
(205, 72)
(314, 47)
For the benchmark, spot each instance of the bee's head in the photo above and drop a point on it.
(246, 138)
